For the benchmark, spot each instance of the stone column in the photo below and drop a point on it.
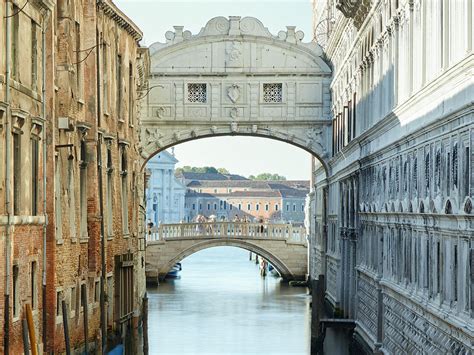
(395, 60)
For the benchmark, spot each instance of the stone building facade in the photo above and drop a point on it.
(393, 226)
(23, 116)
(165, 192)
(71, 116)
(226, 196)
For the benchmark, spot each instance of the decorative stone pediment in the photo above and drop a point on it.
(18, 119)
(37, 126)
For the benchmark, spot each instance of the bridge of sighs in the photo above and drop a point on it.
(234, 77)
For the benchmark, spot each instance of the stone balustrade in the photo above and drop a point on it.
(244, 230)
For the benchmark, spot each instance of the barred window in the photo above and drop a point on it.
(197, 93)
(272, 93)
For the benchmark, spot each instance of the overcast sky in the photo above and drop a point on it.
(240, 155)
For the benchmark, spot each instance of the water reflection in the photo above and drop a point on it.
(221, 305)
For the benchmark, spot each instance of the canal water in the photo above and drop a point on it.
(221, 305)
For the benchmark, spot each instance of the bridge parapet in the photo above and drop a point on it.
(240, 230)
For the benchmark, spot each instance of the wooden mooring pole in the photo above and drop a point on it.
(145, 325)
(85, 310)
(66, 327)
(31, 329)
(26, 344)
(317, 295)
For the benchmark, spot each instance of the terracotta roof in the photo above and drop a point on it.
(211, 176)
(263, 185)
(293, 192)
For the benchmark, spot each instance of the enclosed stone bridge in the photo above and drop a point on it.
(283, 245)
(234, 77)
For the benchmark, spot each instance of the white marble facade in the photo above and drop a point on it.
(234, 77)
(164, 193)
(393, 225)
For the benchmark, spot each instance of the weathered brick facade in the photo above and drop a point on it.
(94, 69)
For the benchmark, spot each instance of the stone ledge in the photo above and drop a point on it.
(22, 220)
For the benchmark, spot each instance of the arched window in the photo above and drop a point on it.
(397, 176)
(448, 208)
(405, 176)
(427, 173)
(468, 206)
(438, 169)
(415, 174)
(455, 166)
(124, 188)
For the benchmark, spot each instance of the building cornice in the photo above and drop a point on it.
(47, 5)
(113, 12)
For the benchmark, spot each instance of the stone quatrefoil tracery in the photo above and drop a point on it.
(197, 93)
(272, 92)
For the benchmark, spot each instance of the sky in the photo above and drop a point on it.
(240, 155)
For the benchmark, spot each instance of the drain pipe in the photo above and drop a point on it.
(103, 275)
(6, 322)
(43, 114)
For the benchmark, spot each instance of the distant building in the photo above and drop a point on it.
(165, 193)
(226, 196)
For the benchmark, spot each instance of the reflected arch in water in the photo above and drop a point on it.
(279, 265)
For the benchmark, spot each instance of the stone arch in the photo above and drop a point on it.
(152, 149)
(279, 265)
(448, 207)
(468, 206)
(422, 207)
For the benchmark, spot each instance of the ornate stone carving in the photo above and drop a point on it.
(176, 136)
(315, 138)
(254, 128)
(348, 7)
(233, 92)
(152, 136)
(234, 54)
(234, 127)
(160, 111)
(214, 129)
(234, 112)
(355, 9)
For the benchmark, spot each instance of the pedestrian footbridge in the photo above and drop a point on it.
(283, 245)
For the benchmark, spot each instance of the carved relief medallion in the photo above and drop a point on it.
(233, 92)
(234, 112)
(234, 127)
(234, 54)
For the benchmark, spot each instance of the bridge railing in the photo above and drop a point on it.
(228, 230)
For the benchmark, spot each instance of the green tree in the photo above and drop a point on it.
(267, 177)
(200, 169)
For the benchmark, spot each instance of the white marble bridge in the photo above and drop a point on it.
(283, 245)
